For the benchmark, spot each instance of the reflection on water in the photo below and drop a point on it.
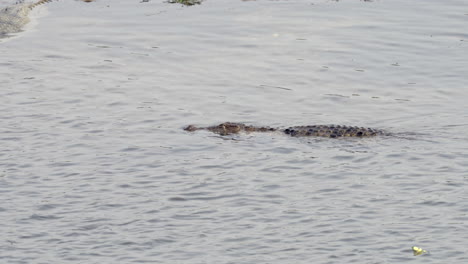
(96, 166)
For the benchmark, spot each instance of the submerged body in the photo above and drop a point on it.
(331, 131)
(13, 18)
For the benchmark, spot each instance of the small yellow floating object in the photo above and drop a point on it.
(418, 251)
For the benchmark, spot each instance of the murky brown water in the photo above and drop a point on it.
(95, 168)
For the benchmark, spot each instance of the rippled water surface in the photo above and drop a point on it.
(95, 166)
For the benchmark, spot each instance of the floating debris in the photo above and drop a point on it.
(418, 251)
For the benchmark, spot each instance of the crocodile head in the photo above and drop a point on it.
(229, 128)
(222, 129)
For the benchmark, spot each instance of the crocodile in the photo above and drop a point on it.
(330, 131)
(13, 18)
(186, 2)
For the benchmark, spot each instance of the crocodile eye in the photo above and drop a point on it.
(190, 128)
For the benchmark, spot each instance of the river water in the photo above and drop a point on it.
(95, 166)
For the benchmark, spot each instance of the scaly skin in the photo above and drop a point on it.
(13, 18)
(330, 131)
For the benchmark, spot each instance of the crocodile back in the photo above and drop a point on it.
(331, 131)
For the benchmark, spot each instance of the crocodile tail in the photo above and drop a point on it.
(40, 2)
